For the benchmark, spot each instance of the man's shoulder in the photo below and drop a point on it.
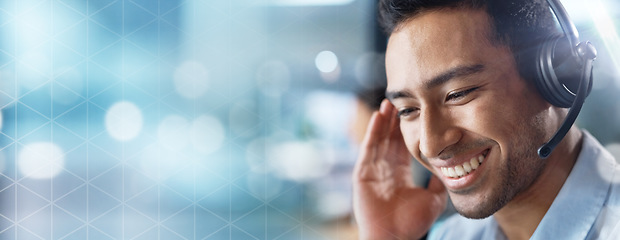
(607, 224)
(606, 167)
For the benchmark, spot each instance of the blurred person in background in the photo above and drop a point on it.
(366, 101)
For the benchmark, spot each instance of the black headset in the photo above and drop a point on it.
(563, 73)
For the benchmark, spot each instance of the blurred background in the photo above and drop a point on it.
(199, 119)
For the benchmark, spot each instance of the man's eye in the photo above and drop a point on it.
(407, 112)
(459, 95)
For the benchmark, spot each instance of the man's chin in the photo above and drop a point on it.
(475, 208)
(474, 214)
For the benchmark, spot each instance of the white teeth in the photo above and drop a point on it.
(462, 170)
(474, 163)
(451, 173)
(459, 171)
(467, 167)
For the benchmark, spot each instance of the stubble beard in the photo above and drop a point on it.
(518, 179)
(520, 171)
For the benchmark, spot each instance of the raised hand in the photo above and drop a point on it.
(386, 202)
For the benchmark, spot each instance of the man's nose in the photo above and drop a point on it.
(437, 132)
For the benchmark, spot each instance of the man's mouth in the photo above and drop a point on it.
(464, 169)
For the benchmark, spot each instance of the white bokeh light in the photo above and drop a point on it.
(326, 61)
(191, 79)
(173, 131)
(123, 121)
(207, 134)
(604, 23)
(41, 160)
(298, 161)
(334, 204)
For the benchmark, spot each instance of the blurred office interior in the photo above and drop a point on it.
(200, 119)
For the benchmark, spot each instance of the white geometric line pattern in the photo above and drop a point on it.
(64, 63)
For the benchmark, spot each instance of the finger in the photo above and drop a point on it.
(386, 107)
(376, 133)
(378, 126)
(388, 145)
(398, 148)
(368, 147)
(390, 113)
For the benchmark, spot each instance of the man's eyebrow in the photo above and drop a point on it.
(391, 95)
(460, 71)
(453, 73)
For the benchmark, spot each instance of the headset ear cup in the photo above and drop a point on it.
(558, 72)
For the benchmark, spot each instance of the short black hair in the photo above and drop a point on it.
(518, 24)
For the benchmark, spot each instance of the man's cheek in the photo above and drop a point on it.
(411, 141)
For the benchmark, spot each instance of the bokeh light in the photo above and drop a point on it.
(123, 121)
(41, 160)
(173, 131)
(191, 79)
(207, 134)
(326, 61)
(329, 112)
(298, 161)
(604, 23)
(334, 204)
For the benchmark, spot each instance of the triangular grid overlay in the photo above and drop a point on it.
(127, 50)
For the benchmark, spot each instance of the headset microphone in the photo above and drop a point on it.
(554, 66)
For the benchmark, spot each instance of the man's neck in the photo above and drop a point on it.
(520, 217)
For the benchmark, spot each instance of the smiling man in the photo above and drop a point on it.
(460, 104)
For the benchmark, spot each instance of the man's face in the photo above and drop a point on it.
(464, 111)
